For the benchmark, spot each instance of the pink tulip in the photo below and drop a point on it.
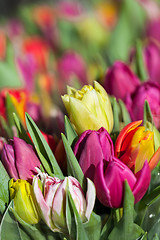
(52, 202)
(120, 80)
(109, 182)
(19, 159)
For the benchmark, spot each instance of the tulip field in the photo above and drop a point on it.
(80, 120)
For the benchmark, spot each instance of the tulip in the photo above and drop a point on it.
(19, 99)
(91, 148)
(19, 159)
(109, 182)
(72, 65)
(38, 49)
(135, 145)
(152, 60)
(24, 200)
(52, 202)
(120, 80)
(153, 30)
(89, 108)
(135, 102)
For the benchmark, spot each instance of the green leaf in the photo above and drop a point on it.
(4, 193)
(122, 37)
(21, 131)
(125, 115)
(126, 229)
(9, 227)
(8, 131)
(10, 109)
(73, 163)
(81, 233)
(71, 224)
(45, 153)
(140, 65)
(115, 116)
(147, 116)
(107, 228)
(93, 226)
(69, 131)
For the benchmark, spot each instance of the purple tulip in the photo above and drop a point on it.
(135, 102)
(19, 159)
(72, 65)
(120, 80)
(152, 59)
(91, 148)
(109, 182)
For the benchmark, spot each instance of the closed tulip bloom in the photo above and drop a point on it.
(120, 80)
(91, 148)
(89, 108)
(149, 91)
(52, 202)
(135, 145)
(19, 159)
(151, 55)
(25, 204)
(72, 65)
(109, 182)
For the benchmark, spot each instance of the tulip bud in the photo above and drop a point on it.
(91, 148)
(134, 146)
(19, 159)
(25, 205)
(120, 80)
(89, 108)
(52, 202)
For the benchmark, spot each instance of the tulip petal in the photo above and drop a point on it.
(91, 155)
(143, 181)
(123, 134)
(26, 159)
(90, 198)
(102, 190)
(44, 209)
(81, 117)
(154, 160)
(8, 160)
(77, 196)
(58, 206)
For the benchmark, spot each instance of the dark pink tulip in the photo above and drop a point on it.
(109, 182)
(19, 159)
(91, 148)
(149, 91)
(72, 65)
(120, 80)
(152, 60)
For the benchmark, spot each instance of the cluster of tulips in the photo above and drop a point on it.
(80, 121)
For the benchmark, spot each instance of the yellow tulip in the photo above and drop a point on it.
(25, 204)
(89, 108)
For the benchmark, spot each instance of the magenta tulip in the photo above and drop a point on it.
(91, 148)
(19, 159)
(120, 80)
(109, 182)
(135, 102)
(72, 66)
